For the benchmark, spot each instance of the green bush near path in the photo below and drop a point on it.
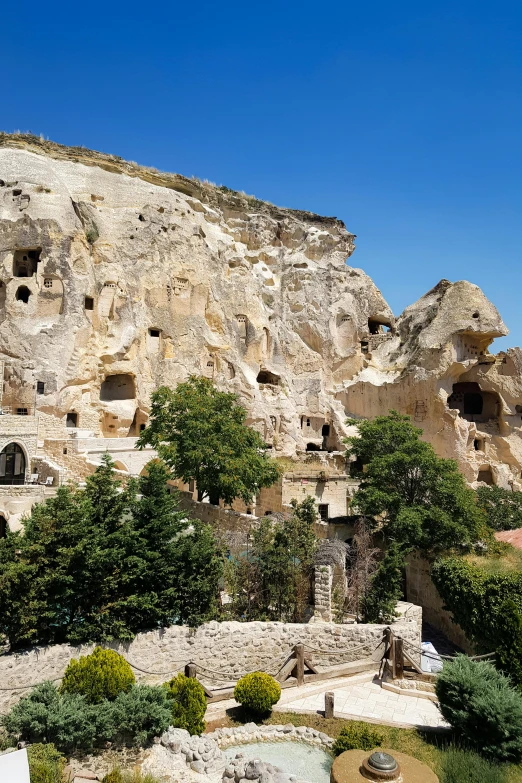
(257, 692)
(481, 705)
(355, 737)
(466, 766)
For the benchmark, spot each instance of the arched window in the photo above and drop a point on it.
(12, 465)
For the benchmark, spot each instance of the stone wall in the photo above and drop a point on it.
(421, 590)
(230, 648)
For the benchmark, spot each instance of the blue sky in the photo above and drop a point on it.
(403, 119)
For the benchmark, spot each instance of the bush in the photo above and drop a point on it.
(257, 692)
(45, 763)
(354, 736)
(465, 766)
(101, 675)
(66, 720)
(475, 597)
(140, 714)
(189, 703)
(71, 723)
(480, 704)
(128, 776)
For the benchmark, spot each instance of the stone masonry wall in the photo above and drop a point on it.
(421, 590)
(230, 648)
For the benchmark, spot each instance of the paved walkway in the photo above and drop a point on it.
(360, 698)
(368, 701)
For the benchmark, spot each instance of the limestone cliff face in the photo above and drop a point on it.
(116, 279)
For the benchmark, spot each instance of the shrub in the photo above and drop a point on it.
(257, 692)
(189, 703)
(466, 766)
(45, 763)
(140, 714)
(128, 776)
(66, 720)
(355, 736)
(475, 597)
(114, 776)
(101, 675)
(480, 704)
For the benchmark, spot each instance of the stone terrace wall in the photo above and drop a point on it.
(230, 648)
(420, 588)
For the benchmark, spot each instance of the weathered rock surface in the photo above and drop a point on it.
(133, 278)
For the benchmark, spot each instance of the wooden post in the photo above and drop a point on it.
(329, 704)
(399, 659)
(392, 656)
(299, 654)
(190, 670)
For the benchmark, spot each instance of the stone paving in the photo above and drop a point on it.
(368, 701)
(360, 697)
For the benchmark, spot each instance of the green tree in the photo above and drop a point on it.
(201, 434)
(106, 562)
(421, 500)
(385, 587)
(273, 579)
(502, 507)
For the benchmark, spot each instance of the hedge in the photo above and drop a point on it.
(475, 598)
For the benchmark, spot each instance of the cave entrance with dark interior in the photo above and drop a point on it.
(3, 526)
(23, 294)
(312, 447)
(473, 404)
(25, 262)
(265, 376)
(12, 465)
(71, 420)
(117, 387)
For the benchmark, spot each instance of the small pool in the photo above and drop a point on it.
(297, 758)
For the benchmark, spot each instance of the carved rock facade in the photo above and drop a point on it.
(116, 279)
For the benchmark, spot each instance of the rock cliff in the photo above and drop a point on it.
(116, 279)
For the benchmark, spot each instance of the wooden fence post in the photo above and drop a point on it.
(190, 670)
(399, 659)
(329, 704)
(299, 654)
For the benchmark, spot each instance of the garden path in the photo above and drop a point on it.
(359, 698)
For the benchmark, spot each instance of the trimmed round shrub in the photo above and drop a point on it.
(257, 692)
(189, 703)
(356, 736)
(482, 706)
(101, 675)
(45, 763)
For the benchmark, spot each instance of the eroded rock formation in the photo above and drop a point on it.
(116, 279)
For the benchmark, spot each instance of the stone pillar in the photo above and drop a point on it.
(323, 593)
(329, 704)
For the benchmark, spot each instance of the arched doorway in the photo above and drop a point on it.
(3, 526)
(12, 465)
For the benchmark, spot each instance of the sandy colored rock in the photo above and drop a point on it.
(117, 279)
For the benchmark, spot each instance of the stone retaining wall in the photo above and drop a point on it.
(229, 648)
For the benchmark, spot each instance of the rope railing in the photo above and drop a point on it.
(273, 667)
